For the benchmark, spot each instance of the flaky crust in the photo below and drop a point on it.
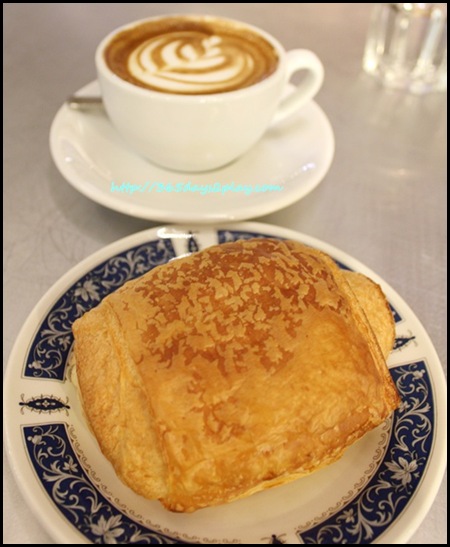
(235, 369)
(376, 308)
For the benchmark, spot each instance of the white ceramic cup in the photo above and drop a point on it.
(203, 132)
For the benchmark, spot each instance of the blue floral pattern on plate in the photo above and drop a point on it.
(81, 503)
(398, 475)
(50, 349)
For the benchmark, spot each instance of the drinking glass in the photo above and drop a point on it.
(406, 46)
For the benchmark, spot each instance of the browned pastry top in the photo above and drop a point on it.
(229, 371)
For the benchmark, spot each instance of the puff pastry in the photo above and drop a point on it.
(235, 369)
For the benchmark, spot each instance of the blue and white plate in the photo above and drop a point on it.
(379, 492)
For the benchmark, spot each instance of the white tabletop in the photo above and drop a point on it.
(383, 200)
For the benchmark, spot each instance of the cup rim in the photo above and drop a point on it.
(104, 70)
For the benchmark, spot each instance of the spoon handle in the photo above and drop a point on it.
(78, 102)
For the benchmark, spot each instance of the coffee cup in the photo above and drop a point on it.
(193, 93)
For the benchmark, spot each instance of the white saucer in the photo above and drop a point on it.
(91, 155)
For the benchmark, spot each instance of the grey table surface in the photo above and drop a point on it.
(383, 200)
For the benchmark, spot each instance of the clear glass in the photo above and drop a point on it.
(406, 46)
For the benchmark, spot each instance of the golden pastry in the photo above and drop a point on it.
(235, 369)
(375, 306)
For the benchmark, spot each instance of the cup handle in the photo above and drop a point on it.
(300, 59)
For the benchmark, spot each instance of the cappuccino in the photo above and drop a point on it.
(193, 92)
(191, 55)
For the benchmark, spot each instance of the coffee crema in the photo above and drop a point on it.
(191, 55)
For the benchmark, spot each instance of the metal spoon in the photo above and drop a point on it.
(78, 102)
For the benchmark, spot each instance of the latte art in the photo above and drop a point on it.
(188, 57)
(192, 62)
